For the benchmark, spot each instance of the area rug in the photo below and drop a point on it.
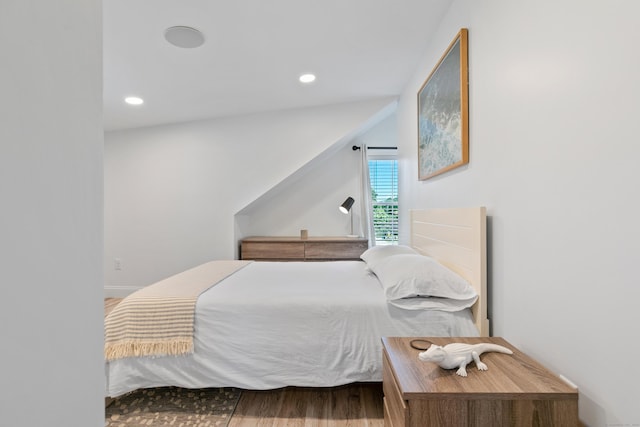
(173, 406)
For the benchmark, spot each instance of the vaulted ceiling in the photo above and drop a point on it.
(254, 53)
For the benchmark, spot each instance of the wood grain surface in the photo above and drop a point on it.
(515, 391)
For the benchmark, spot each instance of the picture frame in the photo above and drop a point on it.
(443, 112)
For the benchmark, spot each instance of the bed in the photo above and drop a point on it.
(319, 324)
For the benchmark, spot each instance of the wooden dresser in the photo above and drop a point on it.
(297, 249)
(515, 391)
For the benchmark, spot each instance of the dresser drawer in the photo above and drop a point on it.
(335, 250)
(296, 249)
(273, 250)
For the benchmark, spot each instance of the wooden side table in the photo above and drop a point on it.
(297, 249)
(516, 391)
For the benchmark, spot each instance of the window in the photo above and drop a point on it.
(384, 196)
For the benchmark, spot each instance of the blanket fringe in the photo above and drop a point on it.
(121, 350)
(158, 320)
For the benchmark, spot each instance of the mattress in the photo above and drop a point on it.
(276, 324)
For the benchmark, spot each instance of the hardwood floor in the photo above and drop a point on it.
(353, 405)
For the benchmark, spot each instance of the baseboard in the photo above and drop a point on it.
(119, 291)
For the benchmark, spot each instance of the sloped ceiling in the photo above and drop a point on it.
(253, 54)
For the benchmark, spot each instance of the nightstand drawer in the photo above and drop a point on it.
(396, 409)
(388, 419)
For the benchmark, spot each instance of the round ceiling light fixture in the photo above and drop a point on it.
(134, 100)
(307, 78)
(184, 37)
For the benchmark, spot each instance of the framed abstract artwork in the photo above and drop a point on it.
(443, 112)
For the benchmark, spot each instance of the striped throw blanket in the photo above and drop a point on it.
(158, 320)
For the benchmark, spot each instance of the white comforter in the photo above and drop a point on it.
(274, 324)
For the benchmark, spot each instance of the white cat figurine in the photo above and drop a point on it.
(458, 355)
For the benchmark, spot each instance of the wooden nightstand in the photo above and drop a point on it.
(297, 249)
(515, 391)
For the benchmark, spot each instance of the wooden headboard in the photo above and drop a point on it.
(457, 238)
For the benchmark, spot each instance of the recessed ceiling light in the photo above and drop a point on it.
(134, 100)
(185, 37)
(307, 78)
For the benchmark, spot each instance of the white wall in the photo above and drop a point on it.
(311, 202)
(171, 192)
(309, 198)
(554, 148)
(51, 308)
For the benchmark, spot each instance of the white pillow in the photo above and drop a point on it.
(375, 254)
(431, 303)
(413, 275)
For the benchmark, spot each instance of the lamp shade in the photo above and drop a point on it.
(345, 207)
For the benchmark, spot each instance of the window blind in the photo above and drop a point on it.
(384, 197)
